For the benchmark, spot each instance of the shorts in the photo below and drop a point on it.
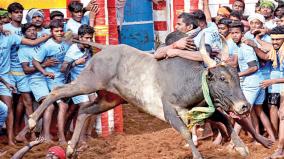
(39, 88)
(3, 113)
(21, 82)
(52, 83)
(273, 99)
(254, 95)
(80, 99)
(4, 91)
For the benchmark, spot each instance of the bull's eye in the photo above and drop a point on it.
(222, 78)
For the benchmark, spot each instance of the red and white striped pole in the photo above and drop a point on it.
(106, 33)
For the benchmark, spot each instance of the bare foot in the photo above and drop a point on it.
(20, 138)
(83, 147)
(2, 153)
(11, 143)
(277, 154)
(62, 142)
(264, 141)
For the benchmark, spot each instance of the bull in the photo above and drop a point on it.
(166, 89)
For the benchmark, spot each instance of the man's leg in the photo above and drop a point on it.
(273, 104)
(27, 100)
(10, 120)
(47, 117)
(265, 121)
(3, 113)
(61, 121)
(279, 153)
(19, 106)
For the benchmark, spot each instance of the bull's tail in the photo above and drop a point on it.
(99, 46)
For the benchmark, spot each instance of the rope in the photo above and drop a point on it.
(199, 114)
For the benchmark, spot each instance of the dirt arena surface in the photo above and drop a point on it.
(145, 137)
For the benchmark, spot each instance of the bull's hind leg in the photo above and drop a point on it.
(239, 144)
(103, 105)
(171, 115)
(83, 85)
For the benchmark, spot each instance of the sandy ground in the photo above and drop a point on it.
(145, 137)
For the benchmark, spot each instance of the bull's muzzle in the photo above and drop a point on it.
(241, 109)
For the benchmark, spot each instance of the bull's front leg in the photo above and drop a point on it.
(176, 122)
(239, 144)
(68, 90)
(81, 119)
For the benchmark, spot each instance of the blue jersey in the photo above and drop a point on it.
(15, 63)
(74, 25)
(265, 68)
(43, 31)
(54, 50)
(73, 54)
(26, 54)
(276, 73)
(246, 54)
(233, 49)
(6, 43)
(212, 37)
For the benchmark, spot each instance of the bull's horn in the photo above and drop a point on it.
(225, 49)
(205, 56)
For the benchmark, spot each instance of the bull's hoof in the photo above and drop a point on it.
(69, 150)
(242, 150)
(31, 123)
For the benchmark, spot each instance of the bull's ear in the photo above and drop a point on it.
(210, 75)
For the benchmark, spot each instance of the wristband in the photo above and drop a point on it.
(29, 145)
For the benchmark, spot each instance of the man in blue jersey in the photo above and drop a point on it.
(7, 42)
(78, 16)
(36, 17)
(18, 77)
(36, 80)
(54, 48)
(276, 77)
(77, 56)
(250, 78)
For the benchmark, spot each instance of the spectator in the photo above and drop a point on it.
(250, 77)
(56, 49)
(36, 80)
(75, 61)
(4, 18)
(56, 15)
(7, 42)
(223, 12)
(77, 15)
(279, 11)
(267, 8)
(276, 77)
(236, 16)
(36, 17)
(17, 75)
(239, 6)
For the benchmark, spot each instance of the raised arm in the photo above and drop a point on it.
(37, 41)
(207, 11)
